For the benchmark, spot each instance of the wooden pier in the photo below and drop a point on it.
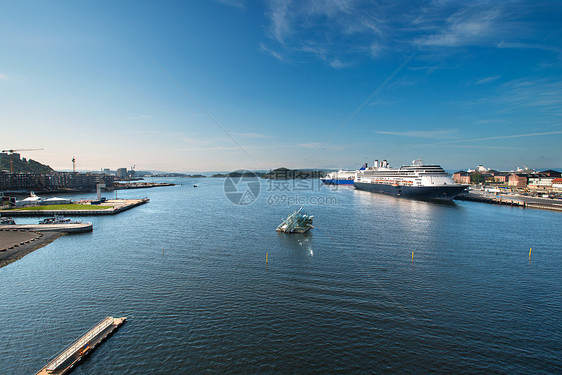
(70, 356)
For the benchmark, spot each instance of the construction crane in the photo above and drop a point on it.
(11, 152)
(74, 164)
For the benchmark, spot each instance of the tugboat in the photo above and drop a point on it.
(297, 222)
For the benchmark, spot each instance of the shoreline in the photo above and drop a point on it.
(15, 244)
(511, 200)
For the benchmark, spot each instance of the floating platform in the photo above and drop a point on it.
(114, 206)
(70, 356)
(297, 222)
(67, 228)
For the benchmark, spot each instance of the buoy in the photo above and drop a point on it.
(162, 248)
(530, 252)
(412, 255)
(266, 255)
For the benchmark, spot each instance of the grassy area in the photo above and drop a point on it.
(65, 207)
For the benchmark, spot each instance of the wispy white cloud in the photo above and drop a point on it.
(382, 102)
(138, 117)
(336, 31)
(272, 52)
(543, 94)
(421, 133)
(432, 68)
(337, 64)
(318, 145)
(312, 145)
(280, 20)
(252, 135)
(457, 146)
(490, 121)
(466, 27)
(296, 26)
(233, 3)
(529, 46)
(487, 80)
(498, 137)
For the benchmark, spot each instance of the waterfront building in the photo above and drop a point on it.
(518, 180)
(121, 172)
(497, 176)
(461, 177)
(540, 182)
(557, 184)
(53, 181)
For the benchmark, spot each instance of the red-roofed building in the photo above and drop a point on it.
(557, 184)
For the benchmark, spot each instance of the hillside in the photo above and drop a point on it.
(23, 165)
(289, 174)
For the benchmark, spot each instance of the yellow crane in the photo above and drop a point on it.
(11, 152)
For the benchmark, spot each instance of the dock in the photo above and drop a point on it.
(69, 357)
(511, 200)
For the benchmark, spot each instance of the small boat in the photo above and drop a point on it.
(58, 220)
(7, 221)
(297, 222)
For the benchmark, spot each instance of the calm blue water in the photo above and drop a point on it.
(346, 297)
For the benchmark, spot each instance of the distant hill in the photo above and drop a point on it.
(289, 174)
(23, 165)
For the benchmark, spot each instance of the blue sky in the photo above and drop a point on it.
(221, 85)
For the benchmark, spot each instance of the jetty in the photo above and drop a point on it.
(65, 360)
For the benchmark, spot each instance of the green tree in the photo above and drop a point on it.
(476, 178)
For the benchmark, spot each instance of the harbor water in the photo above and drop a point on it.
(381, 284)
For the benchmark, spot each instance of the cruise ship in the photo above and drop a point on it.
(412, 181)
(341, 177)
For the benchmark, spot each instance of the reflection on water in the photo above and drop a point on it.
(297, 242)
(344, 297)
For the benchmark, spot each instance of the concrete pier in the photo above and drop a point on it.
(70, 356)
(511, 200)
(112, 207)
(16, 241)
(66, 228)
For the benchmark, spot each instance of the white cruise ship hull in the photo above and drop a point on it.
(444, 192)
